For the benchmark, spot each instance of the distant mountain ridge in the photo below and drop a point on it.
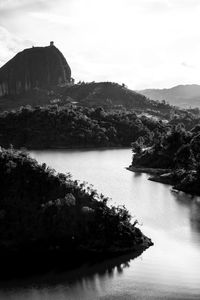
(180, 95)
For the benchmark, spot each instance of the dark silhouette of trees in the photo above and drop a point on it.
(184, 157)
(43, 211)
(69, 126)
(177, 149)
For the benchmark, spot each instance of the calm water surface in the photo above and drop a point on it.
(168, 270)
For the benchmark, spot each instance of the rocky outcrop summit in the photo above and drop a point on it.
(34, 68)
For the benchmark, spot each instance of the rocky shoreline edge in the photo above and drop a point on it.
(164, 176)
(151, 171)
(180, 180)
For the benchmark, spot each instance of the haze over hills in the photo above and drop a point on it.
(181, 95)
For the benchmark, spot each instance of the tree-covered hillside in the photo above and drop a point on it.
(68, 126)
(178, 150)
(44, 211)
(109, 95)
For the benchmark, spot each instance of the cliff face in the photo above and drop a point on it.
(38, 67)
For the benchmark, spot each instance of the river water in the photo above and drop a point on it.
(168, 270)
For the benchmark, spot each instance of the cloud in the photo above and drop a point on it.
(6, 5)
(139, 42)
(10, 44)
(184, 3)
(186, 65)
(165, 6)
(52, 18)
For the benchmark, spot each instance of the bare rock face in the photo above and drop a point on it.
(37, 67)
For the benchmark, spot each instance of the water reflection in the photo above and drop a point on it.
(195, 212)
(183, 198)
(192, 205)
(86, 278)
(195, 216)
(137, 174)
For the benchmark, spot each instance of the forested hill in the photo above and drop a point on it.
(176, 150)
(67, 127)
(109, 95)
(42, 213)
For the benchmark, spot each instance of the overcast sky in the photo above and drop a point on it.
(142, 43)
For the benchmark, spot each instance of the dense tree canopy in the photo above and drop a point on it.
(70, 126)
(40, 209)
(176, 149)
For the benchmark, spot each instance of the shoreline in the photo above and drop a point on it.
(41, 262)
(152, 171)
(163, 176)
(74, 148)
(76, 225)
